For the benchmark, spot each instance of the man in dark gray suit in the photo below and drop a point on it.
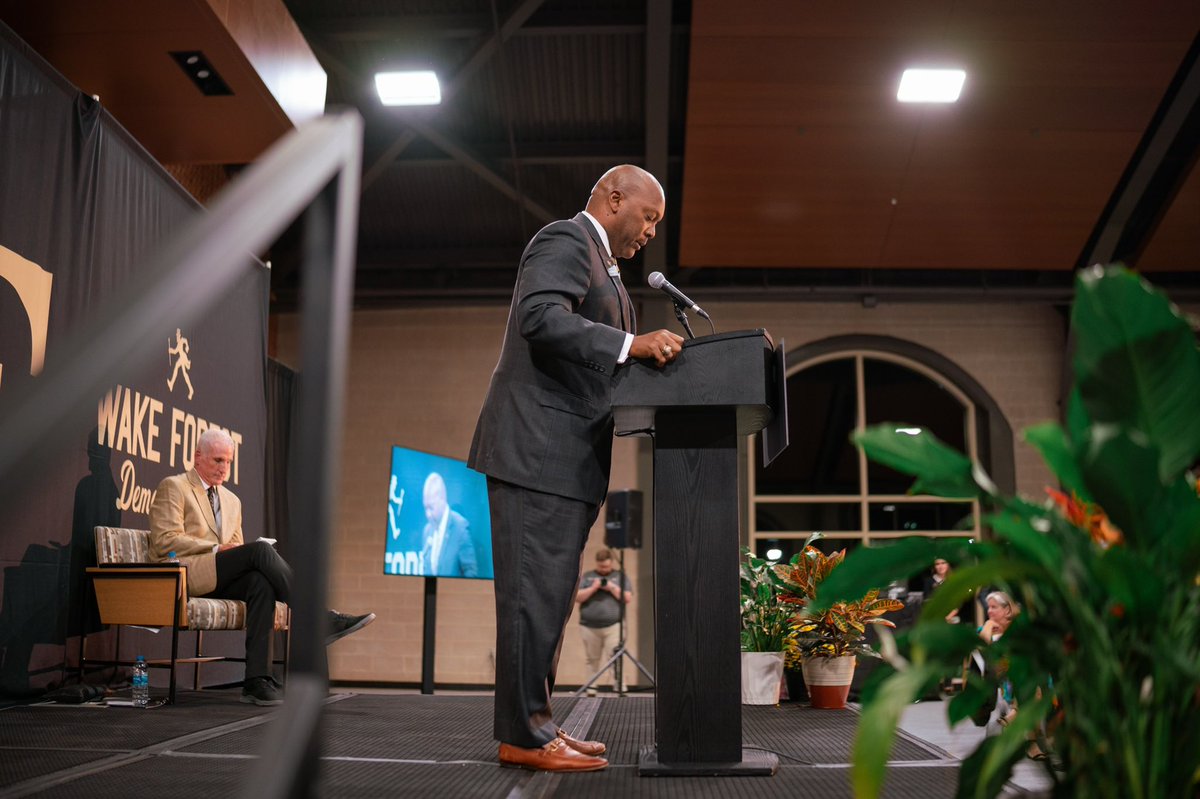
(544, 440)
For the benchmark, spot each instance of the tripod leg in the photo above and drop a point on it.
(619, 669)
(639, 665)
(599, 673)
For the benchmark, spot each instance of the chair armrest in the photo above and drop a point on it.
(149, 594)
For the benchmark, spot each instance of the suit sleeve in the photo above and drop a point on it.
(555, 277)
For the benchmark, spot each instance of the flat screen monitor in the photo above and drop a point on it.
(437, 518)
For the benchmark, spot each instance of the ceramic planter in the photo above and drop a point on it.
(762, 675)
(828, 680)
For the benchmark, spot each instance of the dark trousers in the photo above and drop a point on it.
(537, 546)
(257, 575)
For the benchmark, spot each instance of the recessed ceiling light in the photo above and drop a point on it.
(418, 87)
(931, 85)
(196, 66)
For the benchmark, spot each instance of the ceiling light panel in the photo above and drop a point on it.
(418, 87)
(931, 85)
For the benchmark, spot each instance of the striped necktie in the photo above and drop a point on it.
(212, 500)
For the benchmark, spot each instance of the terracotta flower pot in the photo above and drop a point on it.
(828, 680)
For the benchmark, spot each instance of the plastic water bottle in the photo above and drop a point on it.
(141, 683)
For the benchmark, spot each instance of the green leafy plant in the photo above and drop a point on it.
(766, 621)
(1105, 657)
(837, 630)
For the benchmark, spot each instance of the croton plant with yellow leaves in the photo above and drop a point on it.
(837, 630)
(1104, 658)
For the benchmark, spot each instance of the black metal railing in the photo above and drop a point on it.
(313, 172)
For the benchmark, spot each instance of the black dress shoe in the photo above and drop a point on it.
(342, 624)
(261, 691)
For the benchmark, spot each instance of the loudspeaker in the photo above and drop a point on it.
(623, 520)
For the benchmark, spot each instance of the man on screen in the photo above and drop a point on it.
(449, 551)
(544, 440)
(196, 518)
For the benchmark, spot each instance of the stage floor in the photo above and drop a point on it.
(390, 745)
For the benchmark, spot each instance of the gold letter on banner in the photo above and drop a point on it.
(33, 288)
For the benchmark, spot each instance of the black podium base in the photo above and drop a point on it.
(755, 763)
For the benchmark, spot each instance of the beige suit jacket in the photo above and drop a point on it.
(181, 521)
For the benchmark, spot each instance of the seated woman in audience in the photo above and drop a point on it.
(941, 570)
(1000, 612)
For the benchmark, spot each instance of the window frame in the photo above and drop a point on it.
(864, 498)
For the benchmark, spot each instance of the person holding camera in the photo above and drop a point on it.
(600, 595)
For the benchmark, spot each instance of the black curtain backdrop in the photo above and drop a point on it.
(281, 399)
(80, 204)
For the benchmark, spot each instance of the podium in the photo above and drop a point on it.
(720, 388)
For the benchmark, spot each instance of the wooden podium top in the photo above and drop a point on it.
(736, 370)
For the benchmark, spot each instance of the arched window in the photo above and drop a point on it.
(822, 482)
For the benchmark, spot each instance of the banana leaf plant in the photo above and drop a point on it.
(766, 621)
(1105, 657)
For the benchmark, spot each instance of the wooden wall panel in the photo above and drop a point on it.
(798, 154)
(119, 51)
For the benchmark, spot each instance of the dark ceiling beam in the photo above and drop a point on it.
(484, 257)
(560, 157)
(463, 155)
(561, 151)
(470, 26)
(478, 59)
(658, 112)
(356, 90)
(381, 164)
(398, 32)
(416, 127)
(1160, 165)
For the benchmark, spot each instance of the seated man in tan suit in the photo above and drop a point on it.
(198, 519)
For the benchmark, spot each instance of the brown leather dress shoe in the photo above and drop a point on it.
(554, 756)
(593, 748)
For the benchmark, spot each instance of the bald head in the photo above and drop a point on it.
(626, 179)
(629, 203)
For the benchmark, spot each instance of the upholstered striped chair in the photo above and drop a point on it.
(132, 589)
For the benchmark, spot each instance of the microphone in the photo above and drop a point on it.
(658, 281)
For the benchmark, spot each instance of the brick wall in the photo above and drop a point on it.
(417, 378)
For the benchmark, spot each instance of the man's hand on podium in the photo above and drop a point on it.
(661, 345)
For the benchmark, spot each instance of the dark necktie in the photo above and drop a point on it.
(614, 274)
(212, 500)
